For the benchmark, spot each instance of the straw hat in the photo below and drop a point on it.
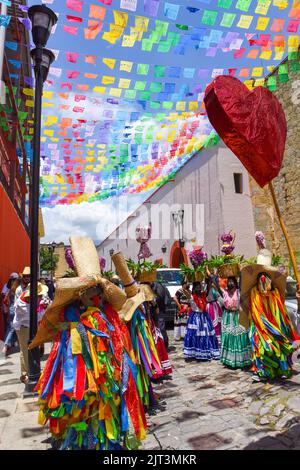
(249, 279)
(69, 289)
(42, 290)
(136, 294)
(26, 271)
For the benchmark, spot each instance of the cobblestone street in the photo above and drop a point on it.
(204, 406)
(207, 406)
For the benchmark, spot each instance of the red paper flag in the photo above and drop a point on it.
(251, 123)
(74, 19)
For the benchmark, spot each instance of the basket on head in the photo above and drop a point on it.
(129, 283)
(199, 276)
(148, 276)
(229, 270)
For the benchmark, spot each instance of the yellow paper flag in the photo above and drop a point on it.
(109, 62)
(262, 23)
(107, 80)
(245, 21)
(126, 66)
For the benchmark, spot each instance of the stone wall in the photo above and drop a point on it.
(287, 184)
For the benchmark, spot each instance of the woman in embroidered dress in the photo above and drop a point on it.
(235, 344)
(183, 299)
(200, 341)
(214, 302)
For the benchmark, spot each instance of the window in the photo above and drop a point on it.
(238, 182)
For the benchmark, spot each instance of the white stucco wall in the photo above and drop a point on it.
(204, 188)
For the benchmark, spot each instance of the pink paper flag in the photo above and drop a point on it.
(71, 29)
(72, 57)
(73, 74)
(75, 5)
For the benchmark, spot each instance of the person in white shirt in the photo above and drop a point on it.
(25, 280)
(21, 325)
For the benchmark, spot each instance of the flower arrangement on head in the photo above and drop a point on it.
(228, 247)
(230, 266)
(260, 240)
(198, 259)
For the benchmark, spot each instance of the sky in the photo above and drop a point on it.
(97, 219)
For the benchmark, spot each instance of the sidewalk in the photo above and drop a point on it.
(19, 429)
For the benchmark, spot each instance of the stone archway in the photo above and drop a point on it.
(175, 258)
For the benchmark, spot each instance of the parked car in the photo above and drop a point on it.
(291, 303)
(172, 279)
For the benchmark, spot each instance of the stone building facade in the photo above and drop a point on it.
(287, 183)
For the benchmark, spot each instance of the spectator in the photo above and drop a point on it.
(163, 300)
(25, 280)
(21, 325)
(8, 311)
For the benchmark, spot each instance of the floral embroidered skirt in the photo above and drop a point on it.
(235, 348)
(200, 341)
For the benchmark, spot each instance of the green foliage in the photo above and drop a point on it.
(70, 273)
(145, 266)
(48, 260)
(277, 260)
(108, 274)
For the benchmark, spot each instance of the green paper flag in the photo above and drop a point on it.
(283, 69)
(145, 95)
(154, 104)
(142, 69)
(209, 17)
(140, 85)
(159, 71)
(147, 45)
(155, 87)
(243, 5)
(182, 26)
(227, 20)
(224, 4)
(164, 46)
(130, 94)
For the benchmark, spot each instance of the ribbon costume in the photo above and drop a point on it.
(88, 390)
(271, 332)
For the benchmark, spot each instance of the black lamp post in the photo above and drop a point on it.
(42, 20)
(52, 248)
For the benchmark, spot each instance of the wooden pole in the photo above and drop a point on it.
(286, 236)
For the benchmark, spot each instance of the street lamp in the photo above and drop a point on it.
(111, 252)
(42, 20)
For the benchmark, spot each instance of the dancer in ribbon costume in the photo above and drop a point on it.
(135, 315)
(271, 331)
(235, 344)
(200, 341)
(88, 388)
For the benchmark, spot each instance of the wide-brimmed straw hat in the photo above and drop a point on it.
(26, 271)
(42, 290)
(249, 280)
(136, 293)
(69, 289)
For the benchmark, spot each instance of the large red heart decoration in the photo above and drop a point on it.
(251, 123)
